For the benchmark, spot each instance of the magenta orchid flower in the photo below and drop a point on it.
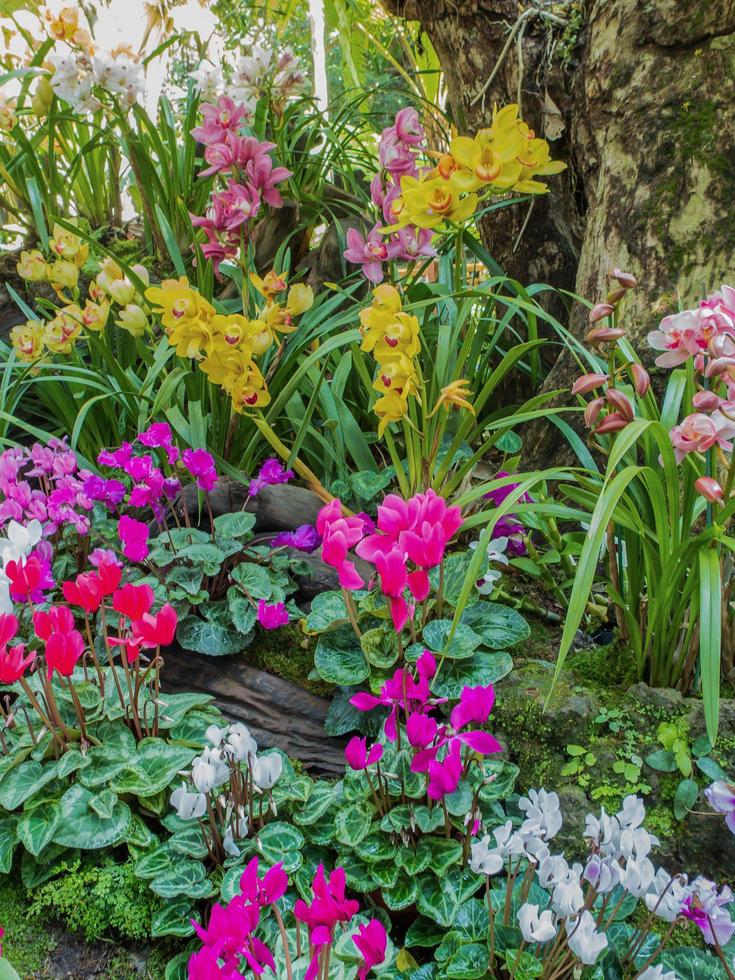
(370, 252)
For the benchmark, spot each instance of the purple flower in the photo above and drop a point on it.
(304, 538)
(272, 616)
(721, 797)
(116, 458)
(200, 464)
(109, 492)
(370, 252)
(509, 526)
(134, 537)
(156, 435)
(270, 473)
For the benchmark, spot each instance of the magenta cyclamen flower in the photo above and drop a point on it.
(266, 890)
(272, 616)
(200, 464)
(328, 907)
(270, 473)
(339, 535)
(372, 942)
(134, 537)
(404, 690)
(359, 757)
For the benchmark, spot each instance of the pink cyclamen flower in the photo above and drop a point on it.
(328, 907)
(444, 775)
(698, 433)
(405, 690)
(200, 464)
(266, 890)
(707, 909)
(272, 616)
(721, 797)
(372, 942)
(357, 755)
(134, 537)
(370, 252)
(339, 535)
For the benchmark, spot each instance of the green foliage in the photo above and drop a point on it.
(98, 898)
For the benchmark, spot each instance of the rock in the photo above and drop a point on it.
(665, 699)
(278, 508)
(574, 808)
(726, 729)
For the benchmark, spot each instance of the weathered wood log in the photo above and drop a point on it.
(277, 712)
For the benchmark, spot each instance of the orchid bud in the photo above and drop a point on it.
(706, 401)
(615, 295)
(588, 383)
(626, 279)
(592, 411)
(621, 402)
(641, 378)
(602, 335)
(599, 312)
(722, 345)
(720, 365)
(613, 422)
(710, 489)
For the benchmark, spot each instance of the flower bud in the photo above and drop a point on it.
(122, 291)
(603, 335)
(133, 319)
(706, 401)
(141, 272)
(615, 295)
(710, 489)
(719, 366)
(599, 312)
(588, 383)
(613, 422)
(626, 279)
(592, 411)
(620, 402)
(641, 378)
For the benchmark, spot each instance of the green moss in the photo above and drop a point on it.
(97, 898)
(606, 666)
(26, 943)
(289, 654)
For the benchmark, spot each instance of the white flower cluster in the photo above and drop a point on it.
(76, 75)
(232, 751)
(17, 544)
(620, 848)
(255, 75)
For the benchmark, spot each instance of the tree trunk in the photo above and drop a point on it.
(645, 91)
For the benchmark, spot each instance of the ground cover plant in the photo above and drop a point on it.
(268, 396)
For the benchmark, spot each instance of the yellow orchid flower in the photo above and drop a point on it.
(62, 332)
(94, 316)
(391, 407)
(300, 299)
(270, 284)
(392, 333)
(63, 274)
(396, 373)
(32, 266)
(454, 395)
(237, 331)
(191, 338)
(65, 243)
(250, 391)
(7, 113)
(386, 301)
(486, 161)
(27, 339)
(225, 366)
(430, 201)
(277, 318)
(178, 302)
(133, 319)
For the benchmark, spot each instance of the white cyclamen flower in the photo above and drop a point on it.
(485, 860)
(19, 540)
(189, 806)
(602, 873)
(266, 770)
(240, 743)
(567, 898)
(637, 876)
(543, 815)
(536, 928)
(507, 842)
(604, 832)
(585, 941)
(666, 895)
(209, 770)
(553, 870)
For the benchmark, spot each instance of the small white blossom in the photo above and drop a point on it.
(543, 815)
(208, 82)
(666, 895)
(637, 876)
(602, 873)
(585, 941)
(266, 770)
(553, 870)
(567, 898)
(536, 928)
(240, 743)
(485, 860)
(209, 770)
(189, 806)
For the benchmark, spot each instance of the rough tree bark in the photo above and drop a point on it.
(646, 93)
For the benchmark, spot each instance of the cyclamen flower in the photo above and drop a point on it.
(536, 927)
(13, 663)
(584, 938)
(357, 755)
(272, 616)
(29, 578)
(339, 535)
(304, 538)
(200, 464)
(405, 690)
(328, 907)
(270, 473)
(134, 538)
(721, 797)
(372, 941)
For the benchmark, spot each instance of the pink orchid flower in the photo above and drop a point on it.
(370, 252)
